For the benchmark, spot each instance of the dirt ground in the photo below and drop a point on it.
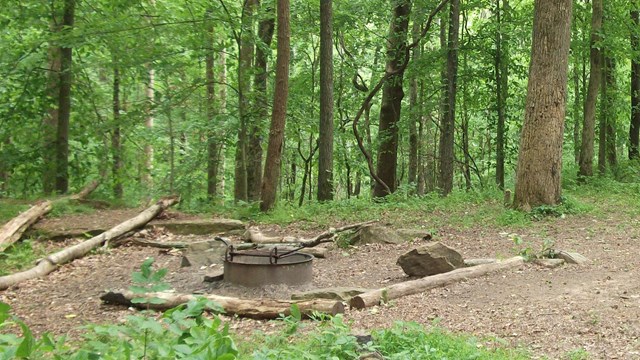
(549, 311)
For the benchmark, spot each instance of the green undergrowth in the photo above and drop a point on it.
(10, 209)
(189, 332)
(20, 256)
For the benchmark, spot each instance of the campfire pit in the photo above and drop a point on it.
(255, 268)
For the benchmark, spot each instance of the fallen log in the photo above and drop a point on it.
(257, 237)
(51, 262)
(375, 297)
(251, 308)
(12, 231)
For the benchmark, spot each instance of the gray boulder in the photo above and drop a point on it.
(430, 259)
(203, 253)
(375, 234)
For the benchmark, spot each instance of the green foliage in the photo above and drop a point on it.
(411, 341)
(10, 209)
(62, 208)
(528, 252)
(20, 256)
(147, 280)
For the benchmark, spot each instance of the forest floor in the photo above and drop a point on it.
(551, 312)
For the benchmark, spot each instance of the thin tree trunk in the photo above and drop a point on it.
(415, 110)
(116, 143)
(279, 113)
(325, 157)
(50, 121)
(634, 127)
(64, 104)
(499, 69)
(222, 107)
(213, 160)
(391, 103)
(595, 76)
(466, 165)
(245, 57)
(610, 95)
(539, 171)
(446, 153)
(577, 116)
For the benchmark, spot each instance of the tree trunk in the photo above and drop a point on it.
(391, 103)
(50, 121)
(501, 95)
(577, 116)
(116, 143)
(595, 75)
(540, 158)
(254, 148)
(250, 308)
(634, 127)
(279, 112)
(325, 157)
(375, 297)
(245, 58)
(609, 94)
(446, 153)
(213, 158)
(64, 104)
(148, 123)
(415, 107)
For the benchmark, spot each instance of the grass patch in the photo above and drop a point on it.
(62, 208)
(10, 209)
(20, 256)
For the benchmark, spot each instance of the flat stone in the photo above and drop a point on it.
(337, 293)
(203, 253)
(375, 234)
(549, 263)
(200, 226)
(571, 257)
(214, 276)
(430, 259)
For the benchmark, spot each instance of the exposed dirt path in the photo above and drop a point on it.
(595, 307)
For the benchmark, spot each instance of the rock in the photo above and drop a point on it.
(414, 234)
(375, 234)
(430, 259)
(200, 226)
(203, 253)
(337, 293)
(549, 263)
(571, 257)
(371, 356)
(214, 276)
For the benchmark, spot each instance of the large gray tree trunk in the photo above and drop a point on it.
(540, 158)
(325, 157)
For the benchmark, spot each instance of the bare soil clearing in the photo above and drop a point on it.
(551, 311)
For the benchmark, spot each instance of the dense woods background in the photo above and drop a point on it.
(159, 96)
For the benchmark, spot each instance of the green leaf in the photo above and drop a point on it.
(295, 312)
(28, 344)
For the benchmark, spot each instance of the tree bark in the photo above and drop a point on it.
(375, 297)
(539, 172)
(148, 122)
(609, 94)
(251, 308)
(634, 127)
(254, 149)
(415, 110)
(279, 113)
(325, 157)
(391, 103)
(64, 104)
(447, 128)
(245, 57)
(595, 76)
(51, 262)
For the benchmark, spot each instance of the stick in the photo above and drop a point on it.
(375, 297)
(251, 308)
(51, 262)
(327, 236)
